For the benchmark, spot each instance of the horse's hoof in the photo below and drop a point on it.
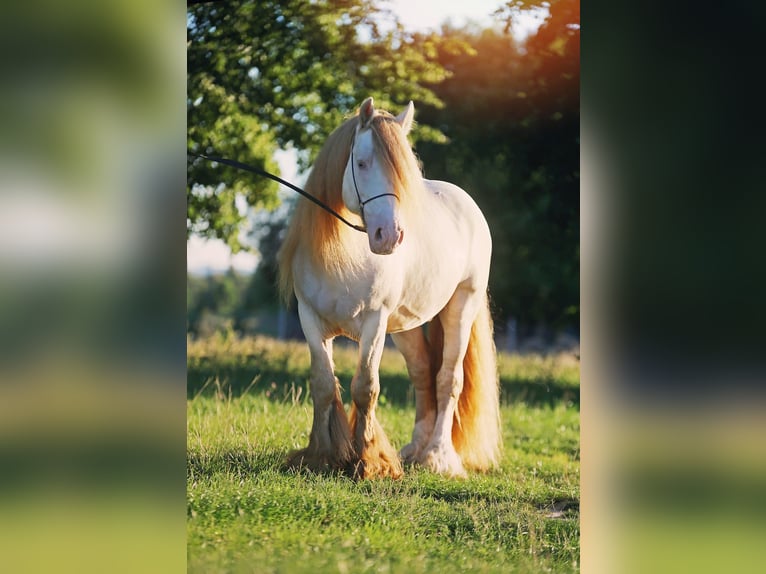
(306, 459)
(381, 468)
(409, 453)
(444, 461)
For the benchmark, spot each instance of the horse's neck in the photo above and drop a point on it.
(344, 253)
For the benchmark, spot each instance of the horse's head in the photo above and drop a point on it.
(372, 181)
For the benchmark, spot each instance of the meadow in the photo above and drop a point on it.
(248, 406)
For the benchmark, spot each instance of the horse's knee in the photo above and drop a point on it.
(365, 391)
(323, 390)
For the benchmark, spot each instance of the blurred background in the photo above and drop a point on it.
(92, 339)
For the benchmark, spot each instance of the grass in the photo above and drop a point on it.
(248, 406)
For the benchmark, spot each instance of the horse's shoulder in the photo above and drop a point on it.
(438, 187)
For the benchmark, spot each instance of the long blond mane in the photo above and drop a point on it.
(319, 233)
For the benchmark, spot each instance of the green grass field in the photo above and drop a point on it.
(248, 406)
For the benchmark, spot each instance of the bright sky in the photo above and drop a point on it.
(422, 14)
(203, 256)
(213, 256)
(428, 14)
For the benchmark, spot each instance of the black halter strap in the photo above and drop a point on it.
(356, 188)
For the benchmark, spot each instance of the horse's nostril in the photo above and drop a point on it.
(379, 234)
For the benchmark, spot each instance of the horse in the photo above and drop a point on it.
(424, 259)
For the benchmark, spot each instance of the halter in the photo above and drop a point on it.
(356, 188)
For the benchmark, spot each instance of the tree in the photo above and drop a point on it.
(214, 295)
(512, 116)
(269, 74)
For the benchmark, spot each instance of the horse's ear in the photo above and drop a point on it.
(366, 111)
(405, 118)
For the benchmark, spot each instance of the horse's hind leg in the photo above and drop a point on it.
(457, 318)
(412, 345)
(330, 445)
(377, 458)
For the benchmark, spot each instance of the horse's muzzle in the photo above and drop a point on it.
(384, 240)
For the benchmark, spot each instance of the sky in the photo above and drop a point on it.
(205, 256)
(428, 14)
(431, 13)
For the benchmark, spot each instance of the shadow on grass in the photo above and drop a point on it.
(238, 462)
(244, 464)
(417, 480)
(206, 378)
(538, 392)
(456, 492)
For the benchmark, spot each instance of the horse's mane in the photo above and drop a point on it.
(321, 232)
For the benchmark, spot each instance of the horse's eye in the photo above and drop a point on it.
(361, 164)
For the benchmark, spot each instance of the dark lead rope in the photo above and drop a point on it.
(245, 167)
(327, 208)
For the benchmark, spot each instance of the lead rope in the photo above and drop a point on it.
(327, 208)
(258, 171)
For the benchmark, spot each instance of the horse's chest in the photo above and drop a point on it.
(343, 302)
(409, 294)
(338, 305)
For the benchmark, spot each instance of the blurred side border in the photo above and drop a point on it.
(673, 369)
(92, 273)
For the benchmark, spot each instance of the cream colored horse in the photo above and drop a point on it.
(425, 257)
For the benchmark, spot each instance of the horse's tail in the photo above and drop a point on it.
(476, 430)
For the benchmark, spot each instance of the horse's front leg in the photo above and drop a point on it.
(377, 458)
(330, 445)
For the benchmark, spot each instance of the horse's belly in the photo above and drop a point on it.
(426, 291)
(404, 319)
(410, 314)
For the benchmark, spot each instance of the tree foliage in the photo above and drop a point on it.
(270, 74)
(512, 117)
(499, 119)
